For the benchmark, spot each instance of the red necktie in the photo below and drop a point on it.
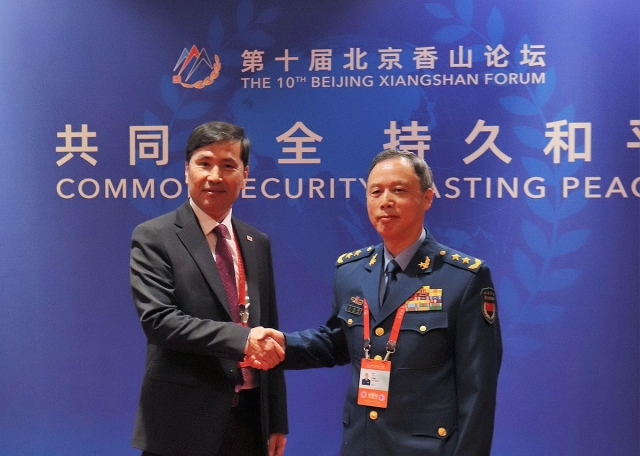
(224, 261)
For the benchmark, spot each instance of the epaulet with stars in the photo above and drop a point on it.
(460, 259)
(355, 255)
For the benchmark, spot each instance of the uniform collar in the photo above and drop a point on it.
(404, 257)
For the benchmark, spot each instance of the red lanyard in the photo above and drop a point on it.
(395, 330)
(242, 284)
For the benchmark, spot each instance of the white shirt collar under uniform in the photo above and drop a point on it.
(405, 256)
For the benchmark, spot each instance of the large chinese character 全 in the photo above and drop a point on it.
(299, 149)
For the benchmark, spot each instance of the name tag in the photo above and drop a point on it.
(373, 390)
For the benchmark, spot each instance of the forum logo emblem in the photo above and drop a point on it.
(195, 70)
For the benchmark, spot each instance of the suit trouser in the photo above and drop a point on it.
(243, 433)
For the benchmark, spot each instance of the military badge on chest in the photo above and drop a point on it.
(425, 299)
(355, 307)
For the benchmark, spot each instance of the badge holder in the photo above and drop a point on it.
(373, 386)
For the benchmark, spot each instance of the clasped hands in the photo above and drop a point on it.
(265, 348)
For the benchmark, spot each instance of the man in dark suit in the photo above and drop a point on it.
(427, 330)
(198, 274)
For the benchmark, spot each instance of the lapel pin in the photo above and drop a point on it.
(373, 260)
(425, 264)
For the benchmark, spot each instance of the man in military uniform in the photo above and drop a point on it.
(418, 318)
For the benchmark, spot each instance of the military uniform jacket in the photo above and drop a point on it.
(442, 390)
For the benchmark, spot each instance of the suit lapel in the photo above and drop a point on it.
(190, 234)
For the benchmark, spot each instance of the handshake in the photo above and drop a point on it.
(264, 349)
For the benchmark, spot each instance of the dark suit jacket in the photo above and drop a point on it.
(193, 347)
(442, 391)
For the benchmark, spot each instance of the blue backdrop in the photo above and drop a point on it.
(528, 113)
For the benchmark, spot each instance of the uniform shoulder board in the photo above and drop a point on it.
(355, 255)
(460, 259)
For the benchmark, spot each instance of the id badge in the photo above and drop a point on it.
(373, 389)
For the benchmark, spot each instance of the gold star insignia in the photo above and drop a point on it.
(373, 260)
(465, 260)
(349, 255)
(425, 264)
(455, 257)
(369, 249)
(357, 252)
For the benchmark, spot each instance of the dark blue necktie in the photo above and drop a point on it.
(391, 272)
